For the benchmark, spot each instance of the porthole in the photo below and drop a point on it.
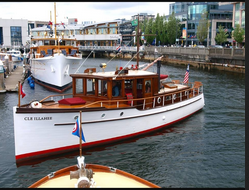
(122, 113)
(76, 117)
(103, 115)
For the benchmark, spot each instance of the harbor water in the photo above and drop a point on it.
(206, 150)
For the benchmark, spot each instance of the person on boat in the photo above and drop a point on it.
(28, 56)
(147, 87)
(115, 89)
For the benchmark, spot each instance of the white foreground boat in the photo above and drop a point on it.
(103, 177)
(42, 128)
(16, 55)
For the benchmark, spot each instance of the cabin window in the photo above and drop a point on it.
(116, 88)
(79, 86)
(90, 86)
(68, 43)
(66, 32)
(40, 43)
(52, 42)
(102, 85)
(46, 42)
(139, 84)
(128, 86)
(147, 86)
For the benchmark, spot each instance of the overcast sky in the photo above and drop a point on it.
(83, 11)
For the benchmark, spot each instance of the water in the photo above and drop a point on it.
(206, 150)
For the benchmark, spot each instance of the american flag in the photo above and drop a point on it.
(185, 80)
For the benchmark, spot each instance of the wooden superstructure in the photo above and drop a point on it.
(50, 46)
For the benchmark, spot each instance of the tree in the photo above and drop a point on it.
(221, 36)
(238, 34)
(148, 30)
(164, 31)
(172, 28)
(202, 28)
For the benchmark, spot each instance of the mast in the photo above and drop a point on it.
(138, 41)
(80, 137)
(137, 36)
(55, 22)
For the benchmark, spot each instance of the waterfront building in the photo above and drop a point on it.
(142, 17)
(238, 16)
(189, 14)
(97, 34)
(13, 32)
(88, 33)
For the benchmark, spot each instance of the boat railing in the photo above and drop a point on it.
(141, 103)
(152, 102)
(56, 97)
(110, 48)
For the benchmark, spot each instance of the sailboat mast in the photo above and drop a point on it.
(51, 16)
(138, 42)
(55, 22)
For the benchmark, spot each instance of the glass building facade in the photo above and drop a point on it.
(16, 35)
(189, 14)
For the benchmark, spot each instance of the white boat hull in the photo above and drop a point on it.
(55, 70)
(16, 58)
(53, 131)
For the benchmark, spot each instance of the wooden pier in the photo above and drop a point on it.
(11, 82)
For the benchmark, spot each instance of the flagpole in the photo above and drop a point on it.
(80, 137)
(19, 94)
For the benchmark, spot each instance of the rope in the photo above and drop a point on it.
(85, 60)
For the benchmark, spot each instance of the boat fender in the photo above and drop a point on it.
(159, 100)
(52, 69)
(29, 79)
(83, 182)
(32, 84)
(174, 96)
(36, 104)
(67, 71)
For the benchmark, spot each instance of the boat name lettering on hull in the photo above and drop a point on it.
(37, 118)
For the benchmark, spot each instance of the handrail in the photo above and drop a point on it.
(195, 90)
(52, 96)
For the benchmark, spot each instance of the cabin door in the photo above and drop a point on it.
(148, 93)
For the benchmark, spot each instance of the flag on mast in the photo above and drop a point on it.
(185, 80)
(22, 91)
(118, 48)
(76, 130)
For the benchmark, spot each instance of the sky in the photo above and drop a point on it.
(83, 11)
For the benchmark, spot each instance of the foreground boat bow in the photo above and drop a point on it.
(91, 176)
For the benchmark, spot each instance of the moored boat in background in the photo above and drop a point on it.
(53, 58)
(16, 55)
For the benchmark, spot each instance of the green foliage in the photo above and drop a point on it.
(172, 28)
(202, 28)
(221, 36)
(166, 32)
(238, 34)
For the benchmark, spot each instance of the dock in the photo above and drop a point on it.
(11, 82)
